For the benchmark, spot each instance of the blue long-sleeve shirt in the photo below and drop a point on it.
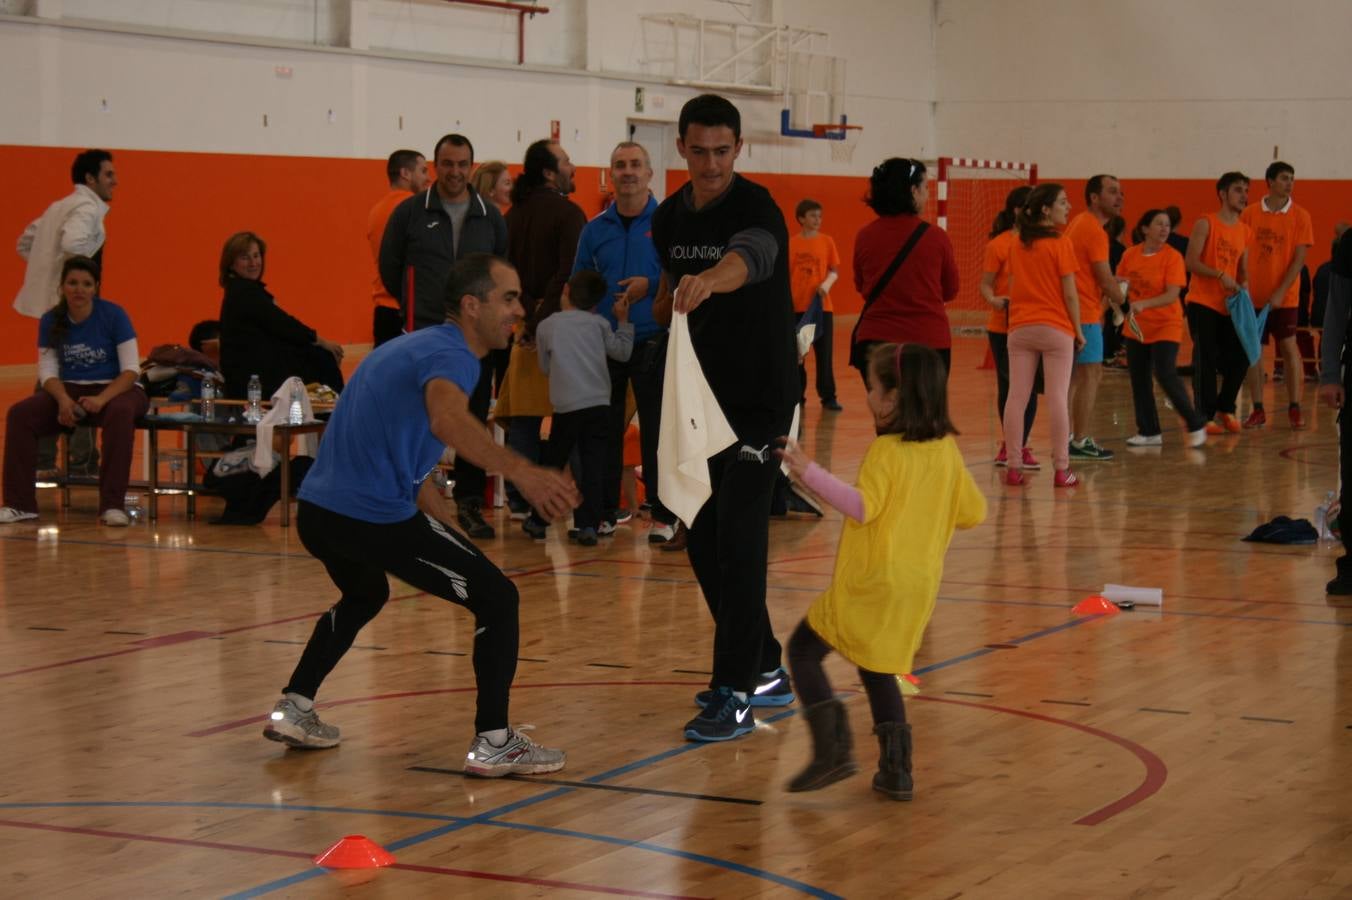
(617, 252)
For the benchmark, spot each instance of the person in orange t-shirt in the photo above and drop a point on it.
(1094, 282)
(1155, 274)
(814, 266)
(407, 173)
(994, 288)
(1282, 235)
(1044, 324)
(1218, 260)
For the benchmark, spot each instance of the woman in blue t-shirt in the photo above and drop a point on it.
(87, 366)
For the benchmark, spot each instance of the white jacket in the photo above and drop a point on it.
(693, 428)
(72, 226)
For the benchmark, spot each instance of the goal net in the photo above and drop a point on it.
(964, 197)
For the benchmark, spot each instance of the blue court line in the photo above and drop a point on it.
(121, 545)
(1163, 612)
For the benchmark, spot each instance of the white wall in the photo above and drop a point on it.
(201, 75)
(1147, 88)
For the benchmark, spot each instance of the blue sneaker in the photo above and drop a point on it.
(723, 719)
(771, 690)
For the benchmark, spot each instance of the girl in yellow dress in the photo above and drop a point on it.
(913, 491)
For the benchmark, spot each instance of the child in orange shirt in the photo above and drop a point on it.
(813, 267)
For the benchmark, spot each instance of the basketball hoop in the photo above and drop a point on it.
(842, 137)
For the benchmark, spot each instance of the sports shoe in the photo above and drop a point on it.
(677, 542)
(660, 534)
(1197, 438)
(9, 514)
(1229, 422)
(1029, 460)
(1214, 427)
(606, 527)
(771, 690)
(1146, 440)
(471, 519)
(724, 718)
(1065, 478)
(1002, 458)
(1014, 477)
(587, 537)
(1085, 448)
(517, 510)
(832, 406)
(115, 518)
(289, 725)
(1297, 420)
(518, 756)
(621, 516)
(1256, 419)
(535, 527)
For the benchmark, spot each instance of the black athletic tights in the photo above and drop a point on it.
(806, 652)
(429, 555)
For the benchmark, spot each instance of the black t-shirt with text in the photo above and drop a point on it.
(744, 339)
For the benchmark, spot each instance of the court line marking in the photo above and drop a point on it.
(619, 788)
(296, 854)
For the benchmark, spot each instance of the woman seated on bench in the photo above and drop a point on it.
(87, 366)
(258, 337)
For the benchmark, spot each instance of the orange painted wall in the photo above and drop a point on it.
(173, 211)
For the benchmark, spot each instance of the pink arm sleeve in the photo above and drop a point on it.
(834, 491)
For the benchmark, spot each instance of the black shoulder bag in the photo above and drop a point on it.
(857, 360)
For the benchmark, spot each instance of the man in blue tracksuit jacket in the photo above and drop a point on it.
(618, 244)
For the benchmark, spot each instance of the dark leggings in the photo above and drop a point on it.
(428, 555)
(806, 652)
(1000, 354)
(1161, 359)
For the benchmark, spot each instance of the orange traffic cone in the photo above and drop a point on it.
(355, 851)
(1095, 605)
(909, 684)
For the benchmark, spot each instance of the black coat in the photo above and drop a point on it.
(259, 338)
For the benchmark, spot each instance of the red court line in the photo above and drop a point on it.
(1155, 770)
(1297, 550)
(1087, 590)
(1290, 454)
(295, 854)
(400, 695)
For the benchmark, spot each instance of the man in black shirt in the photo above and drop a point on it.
(723, 247)
(1335, 385)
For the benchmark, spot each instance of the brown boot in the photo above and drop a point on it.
(832, 746)
(894, 760)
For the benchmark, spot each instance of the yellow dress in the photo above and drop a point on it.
(888, 567)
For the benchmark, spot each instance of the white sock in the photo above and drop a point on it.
(740, 695)
(497, 737)
(304, 704)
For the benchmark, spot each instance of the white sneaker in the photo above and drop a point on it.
(9, 514)
(519, 756)
(115, 517)
(1197, 438)
(660, 534)
(1141, 440)
(289, 725)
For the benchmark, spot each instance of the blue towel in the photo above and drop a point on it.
(1248, 323)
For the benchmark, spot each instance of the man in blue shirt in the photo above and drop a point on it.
(367, 508)
(618, 243)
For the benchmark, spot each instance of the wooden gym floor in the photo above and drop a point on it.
(1201, 750)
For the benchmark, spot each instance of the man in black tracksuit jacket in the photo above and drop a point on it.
(424, 237)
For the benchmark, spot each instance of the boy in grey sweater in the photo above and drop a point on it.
(573, 345)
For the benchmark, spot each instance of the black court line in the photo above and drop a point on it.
(127, 632)
(553, 782)
(530, 659)
(44, 628)
(277, 641)
(609, 666)
(1068, 702)
(445, 653)
(1175, 712)
(969, 694)
(690, 672)
(368, 647)
(1265, 719)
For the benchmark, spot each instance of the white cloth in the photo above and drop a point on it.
(72, 226)
(264, 459)
(693, 428)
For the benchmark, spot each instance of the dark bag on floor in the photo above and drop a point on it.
(249, 498)
(857, 360)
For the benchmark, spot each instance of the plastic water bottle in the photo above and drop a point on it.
(1321, 517)
(208, 399)
(131, 504)
(295, 414)
(255, 409)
